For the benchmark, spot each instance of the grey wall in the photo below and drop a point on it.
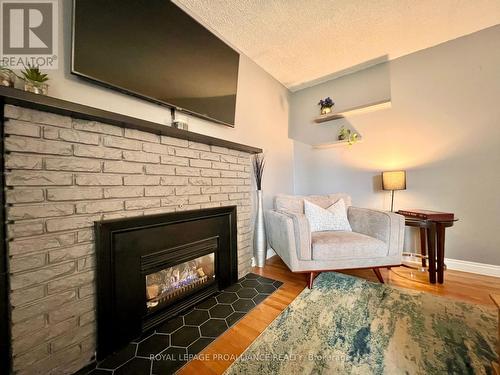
(352, 90)
(443, 128)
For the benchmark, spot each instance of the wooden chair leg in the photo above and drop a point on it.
(379, 275)
(312, 276)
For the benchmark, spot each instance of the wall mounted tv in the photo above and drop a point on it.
(154, 50)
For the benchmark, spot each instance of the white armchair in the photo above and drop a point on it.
(376, 239)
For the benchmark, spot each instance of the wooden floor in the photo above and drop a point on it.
(222, 352)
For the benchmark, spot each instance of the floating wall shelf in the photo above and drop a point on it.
(375, 106)
(335, 144)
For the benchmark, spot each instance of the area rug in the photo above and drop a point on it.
(347, 325)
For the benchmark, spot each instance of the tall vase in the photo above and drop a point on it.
(259, 236)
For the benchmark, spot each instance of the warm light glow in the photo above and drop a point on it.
(385, 104)
(394, 180)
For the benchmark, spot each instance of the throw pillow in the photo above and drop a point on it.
(331, 218)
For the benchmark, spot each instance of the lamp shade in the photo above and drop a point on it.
(394, 180)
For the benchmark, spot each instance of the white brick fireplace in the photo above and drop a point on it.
(62, 174)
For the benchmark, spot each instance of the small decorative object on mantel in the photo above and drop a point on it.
(348, 135)
(7, 77)
(179, 124)
(326, 105)
(34, 80)
(259, 236)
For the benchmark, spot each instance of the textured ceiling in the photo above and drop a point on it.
(301, 42)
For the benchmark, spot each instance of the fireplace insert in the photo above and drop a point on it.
(152, 268)
(179, 280)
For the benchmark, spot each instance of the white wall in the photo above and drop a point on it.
(261, 109)
(443, 128)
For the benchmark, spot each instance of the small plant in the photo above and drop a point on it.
(34, 80)
(258, 163)
(7, 76)
(33, 74)
(348, 135)
(326, 103)
(344, 133)
(5, 69)
(353, 138)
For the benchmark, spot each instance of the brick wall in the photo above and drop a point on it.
(62, 174)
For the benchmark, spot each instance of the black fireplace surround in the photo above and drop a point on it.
(131, 248)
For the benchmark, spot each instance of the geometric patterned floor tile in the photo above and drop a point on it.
(167, 349)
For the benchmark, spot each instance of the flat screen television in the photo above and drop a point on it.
(154, 50)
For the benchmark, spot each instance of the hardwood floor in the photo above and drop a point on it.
(222, 352)
(463, 286)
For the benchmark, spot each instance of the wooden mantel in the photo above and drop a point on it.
(22, 98)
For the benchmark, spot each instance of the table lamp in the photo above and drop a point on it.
(393, 180)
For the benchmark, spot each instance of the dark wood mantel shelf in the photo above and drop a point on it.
(62, 107)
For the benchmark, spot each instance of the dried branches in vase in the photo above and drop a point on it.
(259, 237)
(258, 169)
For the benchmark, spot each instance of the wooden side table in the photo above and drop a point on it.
(427, 242)
(496, 365)
(440, 234)
(432, 241)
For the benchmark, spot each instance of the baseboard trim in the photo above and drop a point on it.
(270, 253)
(472, 267)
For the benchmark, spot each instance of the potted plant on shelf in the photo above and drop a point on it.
(348, 135)
(344, 134)
(259, 236)
(34, 80)
(326, 105)
(7, 77)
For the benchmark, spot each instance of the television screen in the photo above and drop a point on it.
(154, 50)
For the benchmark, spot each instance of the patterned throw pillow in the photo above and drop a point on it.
(331, 218)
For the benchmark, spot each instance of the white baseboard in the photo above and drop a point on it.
(472, 267)
(270, 253)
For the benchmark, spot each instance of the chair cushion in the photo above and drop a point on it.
(295, 203)
(332, 245)
(331, 218)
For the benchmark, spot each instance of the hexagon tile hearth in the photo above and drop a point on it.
(196, 317)
(227, 297)
(221, 311)
(247, 292)
(186, 335)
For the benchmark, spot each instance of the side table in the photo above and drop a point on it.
(432, 241)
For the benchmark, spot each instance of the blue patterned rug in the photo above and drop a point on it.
(347, 325)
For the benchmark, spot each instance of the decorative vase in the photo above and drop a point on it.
(7, 78)
(36, 87)
(326, 110)
(259, 236)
